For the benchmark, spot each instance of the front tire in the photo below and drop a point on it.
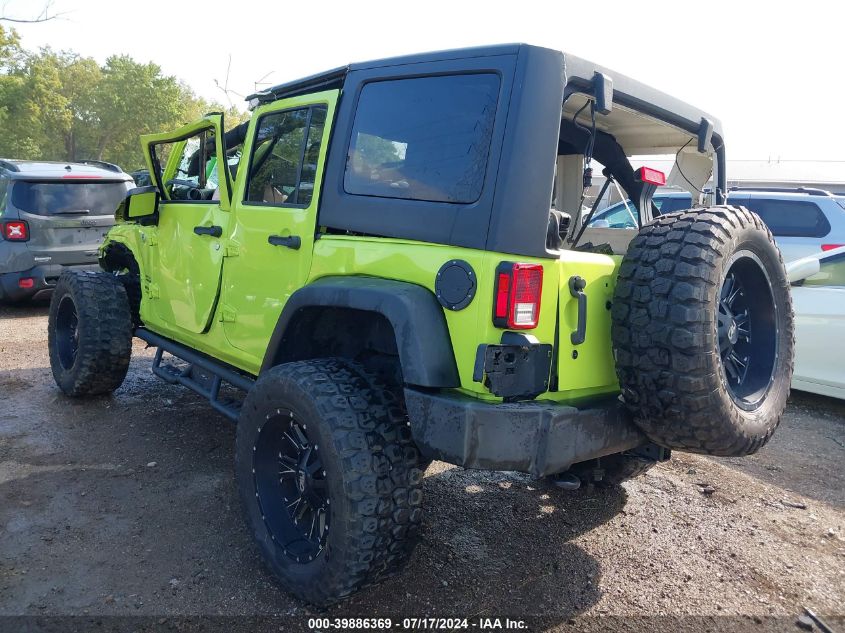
(329, 478)
(703, 331)
(89, 333)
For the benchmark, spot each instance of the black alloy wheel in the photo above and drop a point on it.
(291, 486)
(67, 332)
(747, 329)
(329, 477)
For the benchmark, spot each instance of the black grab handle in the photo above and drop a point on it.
(291, 241)
(213, 231)
(576, 289)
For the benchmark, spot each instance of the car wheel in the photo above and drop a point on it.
(329, 478)
(703, 331)
(89, 333)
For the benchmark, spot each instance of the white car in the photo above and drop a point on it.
(818, 297)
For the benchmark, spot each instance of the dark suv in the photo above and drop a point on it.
(53, 216)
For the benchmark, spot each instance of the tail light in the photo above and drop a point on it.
(651, 176)
(516, 303)
(26, 283)
(16, 231)
(830, 247)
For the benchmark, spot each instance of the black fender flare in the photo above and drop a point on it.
(422, 335)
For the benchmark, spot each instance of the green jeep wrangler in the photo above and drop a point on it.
(390, 263)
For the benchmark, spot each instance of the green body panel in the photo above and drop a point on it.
(416, 262)
(223, 296)
(593, 363)
(185, 267)
(258, 278)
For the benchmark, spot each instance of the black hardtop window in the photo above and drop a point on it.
(790, 218)
(423, 138)
(69, 197)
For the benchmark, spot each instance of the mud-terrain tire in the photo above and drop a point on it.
(89, 333)
(613, 469)
(328, 433)
(703, 331)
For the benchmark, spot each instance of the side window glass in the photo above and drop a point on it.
(187, 169)
(283, 166)
(311, 155)
(620, 216)
(831, 272)
(790, 218)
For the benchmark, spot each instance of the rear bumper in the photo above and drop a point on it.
(539, 438)
(44, 279)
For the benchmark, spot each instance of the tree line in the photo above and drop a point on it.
(58, 105)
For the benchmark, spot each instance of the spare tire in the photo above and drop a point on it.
(703, 332)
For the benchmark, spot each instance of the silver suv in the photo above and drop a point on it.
(804, 221)
(53, 216)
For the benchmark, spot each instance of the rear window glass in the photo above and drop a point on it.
(425, 138)
(790, 218)
(56, 198)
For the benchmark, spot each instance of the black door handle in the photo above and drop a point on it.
(292, 241)
(213, 231)
(576, 289)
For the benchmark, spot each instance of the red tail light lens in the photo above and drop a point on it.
(830, 247)
(651, 176)
(17, 231)
(517, 296)
(26, 283)
(503, 289)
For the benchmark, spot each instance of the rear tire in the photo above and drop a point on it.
(329, 478)
(89, 333)
(703, 331)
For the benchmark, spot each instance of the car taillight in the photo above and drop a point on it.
(516, 302)
(651, 176)
(16, 231)
(26, 283)
(830, 247)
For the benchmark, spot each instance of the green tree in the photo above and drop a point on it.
(61, 106)
(134, 99)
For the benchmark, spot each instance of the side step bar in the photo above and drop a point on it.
(218, 372)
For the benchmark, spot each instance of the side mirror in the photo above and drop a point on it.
(801, 269)
(140, 204)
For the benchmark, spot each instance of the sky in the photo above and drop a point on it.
(771, 71)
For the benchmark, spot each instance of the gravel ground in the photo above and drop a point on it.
(126, 506)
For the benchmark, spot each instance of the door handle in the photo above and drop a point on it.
(213, 231)
(291, 241)
(576, 289)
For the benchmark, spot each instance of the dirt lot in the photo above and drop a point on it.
(126, 506)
